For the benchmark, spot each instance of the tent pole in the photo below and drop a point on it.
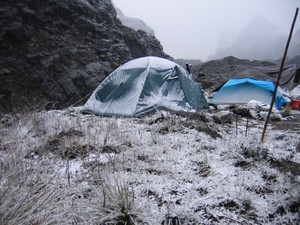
(236, 124)
(279, 75)
(247, 124)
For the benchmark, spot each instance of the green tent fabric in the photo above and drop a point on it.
(145, 85)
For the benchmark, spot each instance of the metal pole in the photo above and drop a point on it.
(247, 123)
(236, 124)
(279, 76)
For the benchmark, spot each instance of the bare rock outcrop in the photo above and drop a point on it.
(56, 52)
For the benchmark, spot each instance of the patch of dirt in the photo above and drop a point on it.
(260, 190)
(202, 169)
(243, 164)
(287, 167)
(143, 157)
(73, 151)
(110, 149)
(71, 133)
(202, 191)
(201, 127)
(229, 204)
(294, 207)
(65, 144)
(292, 125)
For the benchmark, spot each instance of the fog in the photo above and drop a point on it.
(195, 28)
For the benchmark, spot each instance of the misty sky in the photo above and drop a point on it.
(192, 28)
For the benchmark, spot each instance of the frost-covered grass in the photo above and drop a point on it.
(63, 167)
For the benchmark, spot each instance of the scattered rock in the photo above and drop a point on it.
(243, 111)
(7, 120)
(223, 117)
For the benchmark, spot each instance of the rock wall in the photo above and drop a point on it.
(54, 53)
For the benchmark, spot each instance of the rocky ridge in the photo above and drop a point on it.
(134, 23)
(54, 53)
(213, 73)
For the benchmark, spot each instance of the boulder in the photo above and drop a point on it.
(223, 117)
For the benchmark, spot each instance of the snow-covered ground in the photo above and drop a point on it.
(63, 167)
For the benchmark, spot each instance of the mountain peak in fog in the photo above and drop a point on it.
(134, 23)
(259, 40)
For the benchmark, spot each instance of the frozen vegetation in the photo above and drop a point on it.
(63, 167)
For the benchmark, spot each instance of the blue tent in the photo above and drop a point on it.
(243, 90)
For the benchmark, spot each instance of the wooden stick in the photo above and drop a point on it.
(236, 124)
(247, 123)
(279, 76)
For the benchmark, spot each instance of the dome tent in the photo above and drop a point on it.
(145, 85)
(243, 90)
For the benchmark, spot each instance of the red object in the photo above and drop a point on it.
(295, 104)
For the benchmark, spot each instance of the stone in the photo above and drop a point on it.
(223, 117)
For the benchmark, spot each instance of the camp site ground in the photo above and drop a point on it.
(70, 167)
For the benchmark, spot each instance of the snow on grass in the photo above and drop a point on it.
(152, 170)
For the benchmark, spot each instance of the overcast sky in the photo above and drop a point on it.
(192, 28)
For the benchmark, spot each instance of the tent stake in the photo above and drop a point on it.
(247, 123)
(236, 124)
(279, 76)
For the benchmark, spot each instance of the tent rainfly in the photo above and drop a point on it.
(145, 85)
(295, 93)
(268, 73)
(243, 90)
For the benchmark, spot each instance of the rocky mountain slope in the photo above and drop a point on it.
(213, 73)
(56, 52)
(134, 23)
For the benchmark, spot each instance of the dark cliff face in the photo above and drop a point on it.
(56, 52)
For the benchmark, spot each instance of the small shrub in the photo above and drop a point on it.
(171, 220)
(256, 153)
(113, 203)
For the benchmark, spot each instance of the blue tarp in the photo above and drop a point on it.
(243, 90)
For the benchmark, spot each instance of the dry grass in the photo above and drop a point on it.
(61, 167)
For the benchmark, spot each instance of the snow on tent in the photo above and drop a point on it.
(295, 93)
(243, 90)
(145, 85)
